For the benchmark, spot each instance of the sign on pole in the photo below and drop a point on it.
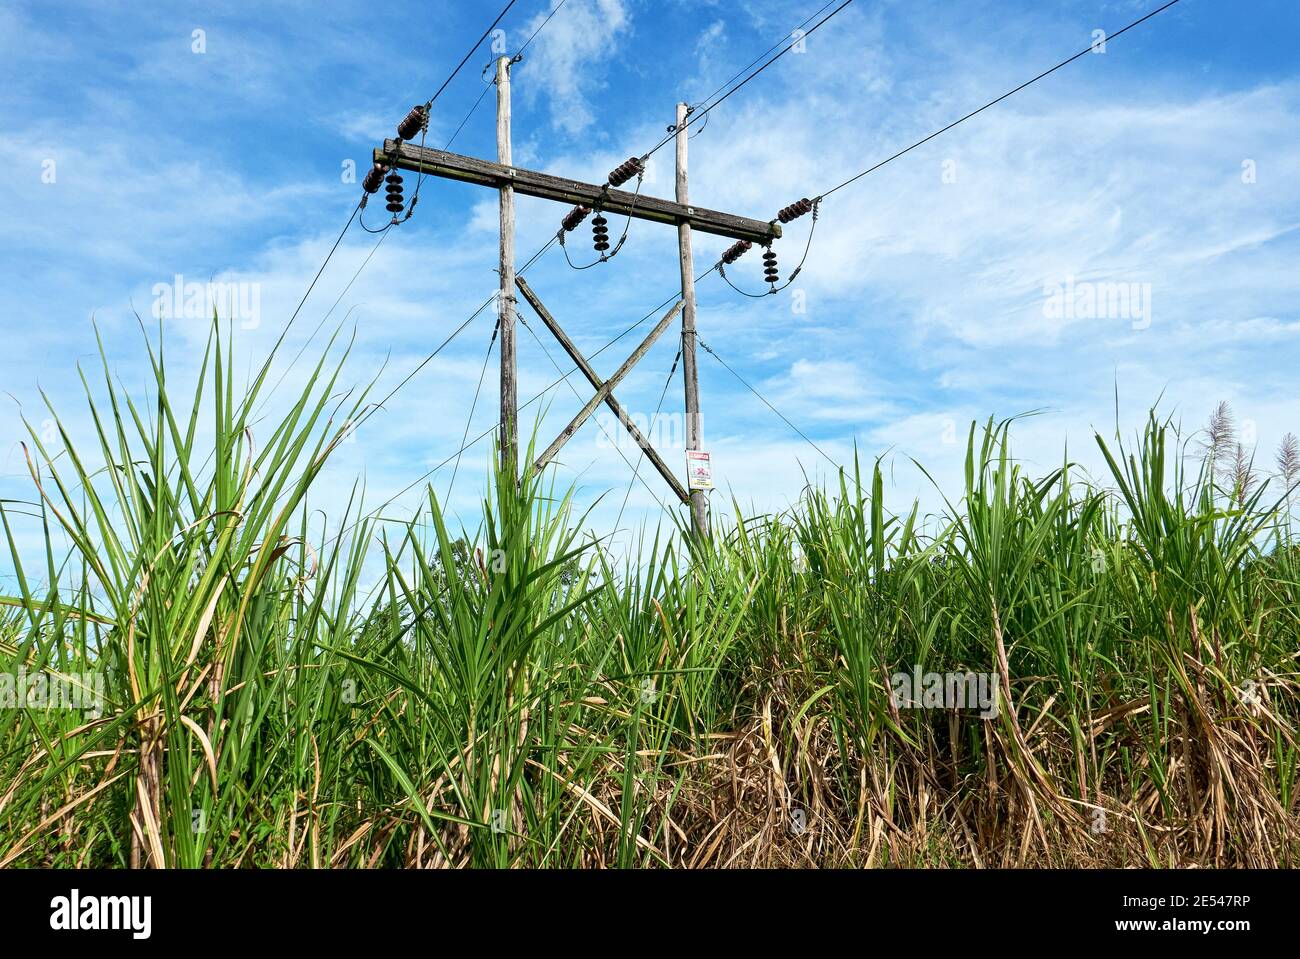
(699, 470)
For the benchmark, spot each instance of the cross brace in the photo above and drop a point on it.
(581, 362)
(453, 166)
(605, 390)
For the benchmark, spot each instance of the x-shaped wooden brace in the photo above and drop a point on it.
(604, 389)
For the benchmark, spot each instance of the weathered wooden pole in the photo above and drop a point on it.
(690, 373)
(506, 296)
(508, 181)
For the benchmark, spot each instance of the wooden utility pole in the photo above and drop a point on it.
(605, 199)
(506, 297)
(690, 373)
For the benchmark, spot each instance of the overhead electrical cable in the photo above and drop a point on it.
(472, 407)
(799, 208)
(699, 103)
(991, 103)
(705, 112)
(766, 402)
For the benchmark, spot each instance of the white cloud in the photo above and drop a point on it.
(568, 60)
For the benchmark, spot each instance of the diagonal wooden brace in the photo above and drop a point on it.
(581, 362)
(606, 388)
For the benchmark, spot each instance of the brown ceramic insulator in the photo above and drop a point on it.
(413, 123)
(394, 194)
(625, 171)
(795, 210)
(374, 178)
(574, 217)
(736, 251)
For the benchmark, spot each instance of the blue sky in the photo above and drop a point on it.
(1170, 162)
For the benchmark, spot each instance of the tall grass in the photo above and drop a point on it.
(511, 695)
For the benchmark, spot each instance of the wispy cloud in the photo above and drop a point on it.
(570, 60)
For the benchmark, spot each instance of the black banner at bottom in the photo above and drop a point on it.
(925, 909)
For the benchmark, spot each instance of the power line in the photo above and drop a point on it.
(311, 286)
(705, 112)
(739, 73)
(991, 103)
(486, 87)
(302, 349)
(798, 209)
(520, 52)
(487, 83)
(441, 346)
(473, 406)
(351, 427)
(469, 54)
(890, 159)
(708, 349)
(428, 359)
(266, 366)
